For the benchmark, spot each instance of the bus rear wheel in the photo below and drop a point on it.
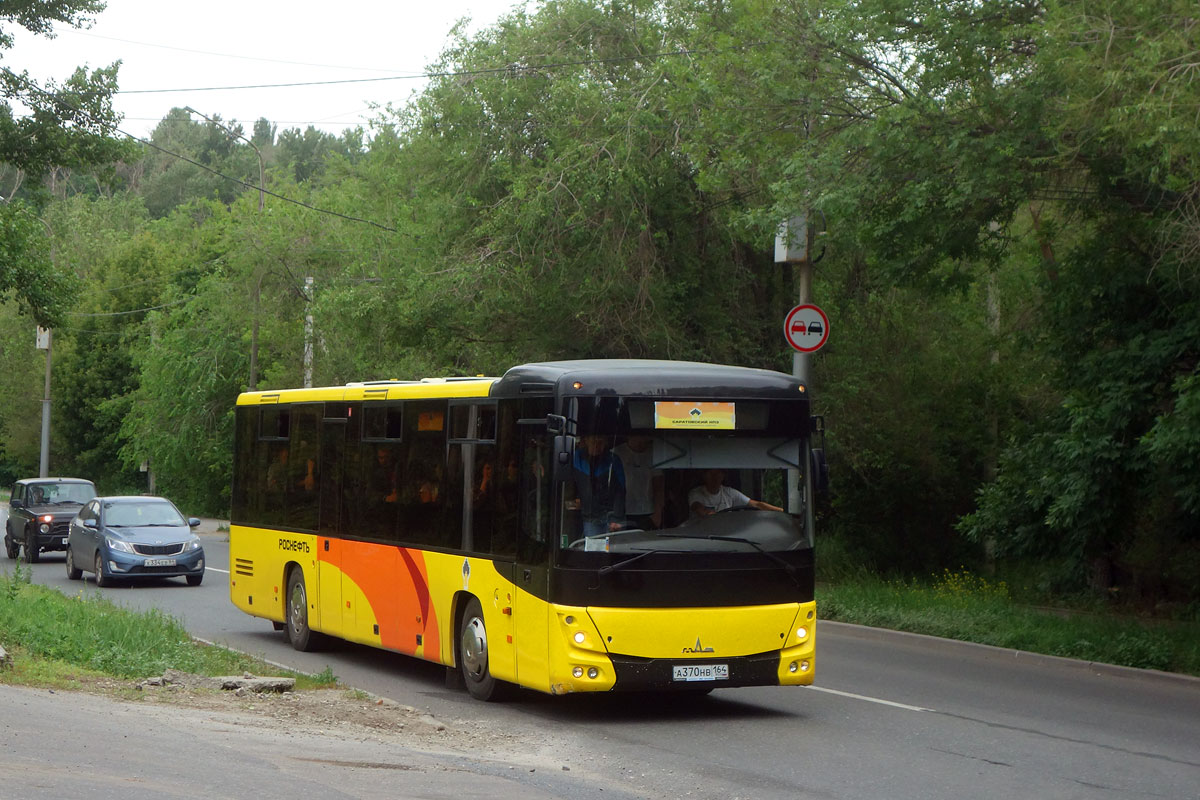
(473, 655)
(301, 636)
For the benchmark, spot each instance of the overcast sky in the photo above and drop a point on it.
(196, 49)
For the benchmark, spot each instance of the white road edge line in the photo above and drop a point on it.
(214, 569)
(868, 699)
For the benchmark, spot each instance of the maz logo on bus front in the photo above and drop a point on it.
(699, 648)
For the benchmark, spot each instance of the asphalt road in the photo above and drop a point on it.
(892, 716)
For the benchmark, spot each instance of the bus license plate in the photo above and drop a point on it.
(160, 562)
(701, 672)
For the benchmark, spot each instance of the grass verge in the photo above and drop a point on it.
(963, 606)
(66, 642)
(58, 640)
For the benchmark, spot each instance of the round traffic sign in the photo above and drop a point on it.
(806, 328)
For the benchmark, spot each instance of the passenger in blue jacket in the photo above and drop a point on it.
(599, 486)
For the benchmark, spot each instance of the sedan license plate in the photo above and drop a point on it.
(160, 562)
(701, 672)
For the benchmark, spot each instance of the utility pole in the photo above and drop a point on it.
(794, 245)
(43, 343)
(308, 332)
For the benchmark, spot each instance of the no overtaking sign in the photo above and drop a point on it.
(806, 328)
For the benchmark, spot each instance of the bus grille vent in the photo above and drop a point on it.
(243, 566)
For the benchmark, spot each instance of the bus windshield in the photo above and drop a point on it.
(687, 477)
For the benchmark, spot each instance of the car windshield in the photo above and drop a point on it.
(139, 514)
(61, 493)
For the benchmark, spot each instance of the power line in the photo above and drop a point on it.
(514, 68)
(39, 90)
(127, 313)
(228, 55)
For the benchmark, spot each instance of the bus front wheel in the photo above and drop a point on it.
(299, 634)
(473, 655)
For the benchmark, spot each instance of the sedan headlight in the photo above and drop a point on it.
(118, 544)
(192, 544)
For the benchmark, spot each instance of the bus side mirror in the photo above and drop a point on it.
(820, 472)
(564, 456)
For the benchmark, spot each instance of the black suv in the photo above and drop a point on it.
(40, 511)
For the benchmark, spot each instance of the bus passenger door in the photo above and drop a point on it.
(531, 579)
(333, 451)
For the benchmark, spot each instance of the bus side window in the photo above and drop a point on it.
(536, 501)
(423, 486)
(303, 477)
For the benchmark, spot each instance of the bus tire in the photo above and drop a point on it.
(473, 655)
(299, 634)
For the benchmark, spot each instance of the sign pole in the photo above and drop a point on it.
(793, 245)
(44, 337)
(802, 274)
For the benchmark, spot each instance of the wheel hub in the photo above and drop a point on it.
(474, 647)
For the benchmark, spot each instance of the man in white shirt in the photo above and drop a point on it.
(643, 483)
(713, 496)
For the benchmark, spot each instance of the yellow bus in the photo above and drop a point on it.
(573, 526)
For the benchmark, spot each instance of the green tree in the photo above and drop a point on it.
(66, 125)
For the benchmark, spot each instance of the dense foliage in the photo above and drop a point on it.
(1012, 197)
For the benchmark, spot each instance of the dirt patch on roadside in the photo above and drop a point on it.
(347, 714)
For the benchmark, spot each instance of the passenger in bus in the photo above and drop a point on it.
(643, 483)
(483, 490)
(599, 486)
(277, 472)
(385, 478)
(429, 487)
(714, 496)
(304, 476)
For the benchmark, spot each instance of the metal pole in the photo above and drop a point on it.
(44, 467)
(803, 278)
(308, 332)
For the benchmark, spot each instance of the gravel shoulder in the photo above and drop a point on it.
(111, 739)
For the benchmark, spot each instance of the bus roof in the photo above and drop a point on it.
(631, 377)
(373, 390)
(628, 377)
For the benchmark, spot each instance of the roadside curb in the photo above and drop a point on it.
(1024, 656)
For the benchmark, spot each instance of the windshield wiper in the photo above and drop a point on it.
(791, 569)
(623, 564)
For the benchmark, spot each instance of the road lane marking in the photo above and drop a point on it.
(214, 569)
(880, 701)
